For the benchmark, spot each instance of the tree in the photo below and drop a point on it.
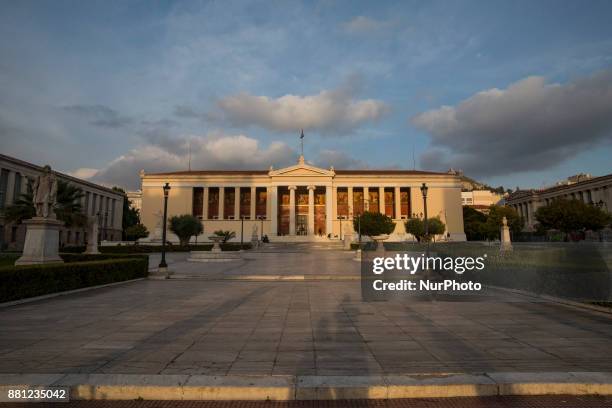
(227, 235)
(435, 226)
(473, 224)
(416, 227)
(135, 232)
(571, 215)
(373, 223)
(492, 227)
(131, 215)
(185, 226)
(67, 209)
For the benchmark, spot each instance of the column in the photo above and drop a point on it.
(398, 204)
(10, 189)
(381, 200)
(292, 210)
(328, 210)
(273, 214)
(221, 201)
(205, 209)
(253, 202)
(311, 213)
(334, 203)
(350, 201)
(366, 199)
(236, 203)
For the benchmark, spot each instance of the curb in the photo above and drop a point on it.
(66, 292)
(288, 388)
(558, 300)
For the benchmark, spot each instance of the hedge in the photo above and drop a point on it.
(145, 249)
(25, 281)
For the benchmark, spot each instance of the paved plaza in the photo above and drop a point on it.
(206, 324)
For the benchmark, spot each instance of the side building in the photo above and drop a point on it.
(97, 200)
(591, 190)
(300, 202)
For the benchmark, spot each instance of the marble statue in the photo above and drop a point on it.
(41, 243)
(506, 243)
(94, 227)
(45, 193)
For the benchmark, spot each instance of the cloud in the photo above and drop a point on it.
(531, 125)
(364, 25)
(330, 111)
(340, 160)
(84, 173)
(184, 111)
(99, 115)
(214, 151)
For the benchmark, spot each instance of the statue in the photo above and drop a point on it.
(254, 236)
(506, 243)
(41, 244)
(45, 193)
(94, 227)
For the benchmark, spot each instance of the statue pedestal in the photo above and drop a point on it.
(41, 242)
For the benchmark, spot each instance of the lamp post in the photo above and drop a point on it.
(163, 264)
(261, 218)
(241, 231)
(341, 217)
(424, 189)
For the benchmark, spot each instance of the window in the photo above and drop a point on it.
(260, 207)
(197, 204)
(3, 186)
(17, 188)
(342, 202)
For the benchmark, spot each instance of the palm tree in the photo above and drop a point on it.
(68, 208)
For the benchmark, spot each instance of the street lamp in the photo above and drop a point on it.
(341, 217)
(261, 218)
(163, 264)
(241, 231)
(424, 189)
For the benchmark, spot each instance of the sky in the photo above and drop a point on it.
(513, 93)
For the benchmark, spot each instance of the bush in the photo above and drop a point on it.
(185, 226)
(227, 235)
(373, 223)
(135, 232)
(25, 281)
(416, 227)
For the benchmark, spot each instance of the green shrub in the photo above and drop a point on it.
(373, 223)
(25, 281)
(185, 226)
(73, 249)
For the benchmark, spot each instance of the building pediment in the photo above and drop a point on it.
(302, 170)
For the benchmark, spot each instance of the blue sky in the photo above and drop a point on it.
(513, 93)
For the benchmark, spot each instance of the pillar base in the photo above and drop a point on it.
(41, 242)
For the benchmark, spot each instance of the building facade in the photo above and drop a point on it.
(97, 200)
(480, 200)
(591, 190)
(300, 202)
(135, 199)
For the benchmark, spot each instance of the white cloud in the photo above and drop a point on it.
(531, 125)
(214, 151)
(328, 111)
(364, 25)
(83, 173)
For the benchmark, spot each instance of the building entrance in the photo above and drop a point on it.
(301, 225)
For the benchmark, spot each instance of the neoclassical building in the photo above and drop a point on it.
(97, 200)
(591, 190)
(300, 202)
